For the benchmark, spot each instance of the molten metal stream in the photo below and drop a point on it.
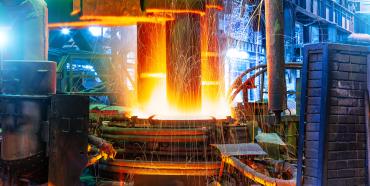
(171, 82)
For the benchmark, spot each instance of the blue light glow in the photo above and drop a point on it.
(96, 31)
(3, 36)
(65, 31)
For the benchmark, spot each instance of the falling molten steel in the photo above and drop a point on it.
(184, 63)
(179, 67)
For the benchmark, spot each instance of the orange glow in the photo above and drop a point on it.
(153, 75)
(75, 12)
(110, 21)
(209, 54)
(152, 84)
(218, 7)
(159, 106)
(210, 83)
(214, 103)
(173, 11)
(79, 24)
(76, 7)
(130, 19)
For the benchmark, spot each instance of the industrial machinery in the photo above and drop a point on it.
(179, 126)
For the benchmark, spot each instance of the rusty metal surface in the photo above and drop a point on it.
(21, 120)
(275, 55)
(175, 5)
(241, 149)
(68, 142)
(111, 8)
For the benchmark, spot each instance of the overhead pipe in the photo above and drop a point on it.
(274, 13)
(232, 94)
(239, 79)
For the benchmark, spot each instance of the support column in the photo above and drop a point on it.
(184, 62)
(151, 67)
(275, 56)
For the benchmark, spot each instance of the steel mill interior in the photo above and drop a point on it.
(184, 92)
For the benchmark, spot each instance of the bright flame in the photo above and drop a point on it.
(159, 106)
(153, 99)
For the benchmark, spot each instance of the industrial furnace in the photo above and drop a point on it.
(180, 125)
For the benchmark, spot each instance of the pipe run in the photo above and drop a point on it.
(171, 139)
(256, 176)
(164, 165)
(164, 153)
(239, 78)
(154, 131)
(162, 172)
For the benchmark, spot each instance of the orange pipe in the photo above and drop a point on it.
(165, 153)
(172, 139)
(256, 176)
(175, 11)
(162, 172)
(217, 7)
(164, 165)
(153, 131)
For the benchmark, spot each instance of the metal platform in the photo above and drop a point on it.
(241, 149)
